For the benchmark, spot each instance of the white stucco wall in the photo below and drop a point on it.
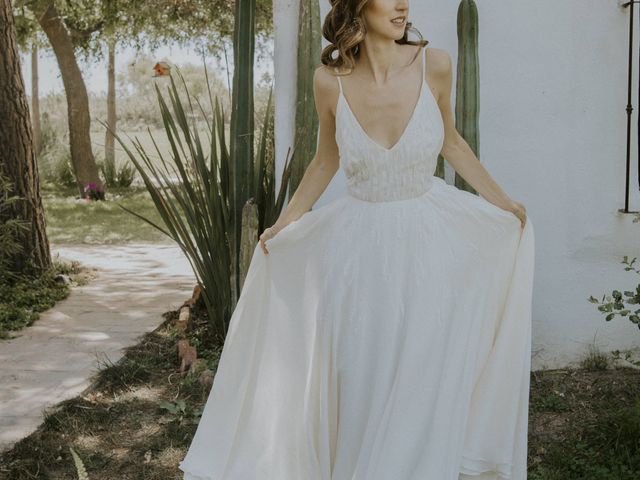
(553, 135)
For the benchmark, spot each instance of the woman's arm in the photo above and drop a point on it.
(455, 149)
(324, 164)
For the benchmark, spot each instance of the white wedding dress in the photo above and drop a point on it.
(386, 336)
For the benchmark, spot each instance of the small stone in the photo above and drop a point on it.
(206, 378)
(62, 278)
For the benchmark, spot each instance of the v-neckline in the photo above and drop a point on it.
(406, 128)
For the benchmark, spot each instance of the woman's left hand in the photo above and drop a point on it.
(519, 211)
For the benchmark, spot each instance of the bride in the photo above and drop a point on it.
(387, 334)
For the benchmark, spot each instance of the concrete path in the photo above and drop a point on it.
(53, 359)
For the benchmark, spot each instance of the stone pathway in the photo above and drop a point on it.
(55, 358)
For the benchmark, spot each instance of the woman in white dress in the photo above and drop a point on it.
(387, 334)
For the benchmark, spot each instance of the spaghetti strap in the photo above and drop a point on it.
(424, 60)
(338, 77)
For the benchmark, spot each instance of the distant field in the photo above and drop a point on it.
(159, 135)
(71, 220)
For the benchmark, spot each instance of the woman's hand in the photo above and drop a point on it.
(519, 211)
(268, 233)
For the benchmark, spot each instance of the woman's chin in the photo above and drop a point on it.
(398, 33)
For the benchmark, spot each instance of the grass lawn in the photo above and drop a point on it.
(73, 220)
(585, 425)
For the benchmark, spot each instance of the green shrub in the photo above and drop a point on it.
(23, 298)
(115, 176)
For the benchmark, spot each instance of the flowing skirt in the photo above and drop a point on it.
(378, 341)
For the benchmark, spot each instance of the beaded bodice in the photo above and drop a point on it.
(378, 174)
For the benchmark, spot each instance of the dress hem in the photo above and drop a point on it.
(479, 466)
(190, 474)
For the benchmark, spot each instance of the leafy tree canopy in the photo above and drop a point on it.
(205, 24)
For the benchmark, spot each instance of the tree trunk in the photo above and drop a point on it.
(109, 140)
(35, 101)
(17, 158)
(82, 159)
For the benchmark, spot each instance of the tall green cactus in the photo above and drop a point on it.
(468, 83)
(306, 118)
(242, 125)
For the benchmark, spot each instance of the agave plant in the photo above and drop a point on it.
(196, 207)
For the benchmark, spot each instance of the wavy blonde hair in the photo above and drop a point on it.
(344, 28)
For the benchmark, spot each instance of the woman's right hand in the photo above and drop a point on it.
(268, 233)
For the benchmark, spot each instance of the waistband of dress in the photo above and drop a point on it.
(391, 198)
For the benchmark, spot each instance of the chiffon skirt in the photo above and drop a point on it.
(378, 341)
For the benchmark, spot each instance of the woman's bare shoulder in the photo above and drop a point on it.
(438, 61)
(325, 87)
(324, 78)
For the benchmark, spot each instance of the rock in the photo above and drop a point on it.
(187, 355)
(182, 324)
(206, 378)
(62, 278)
